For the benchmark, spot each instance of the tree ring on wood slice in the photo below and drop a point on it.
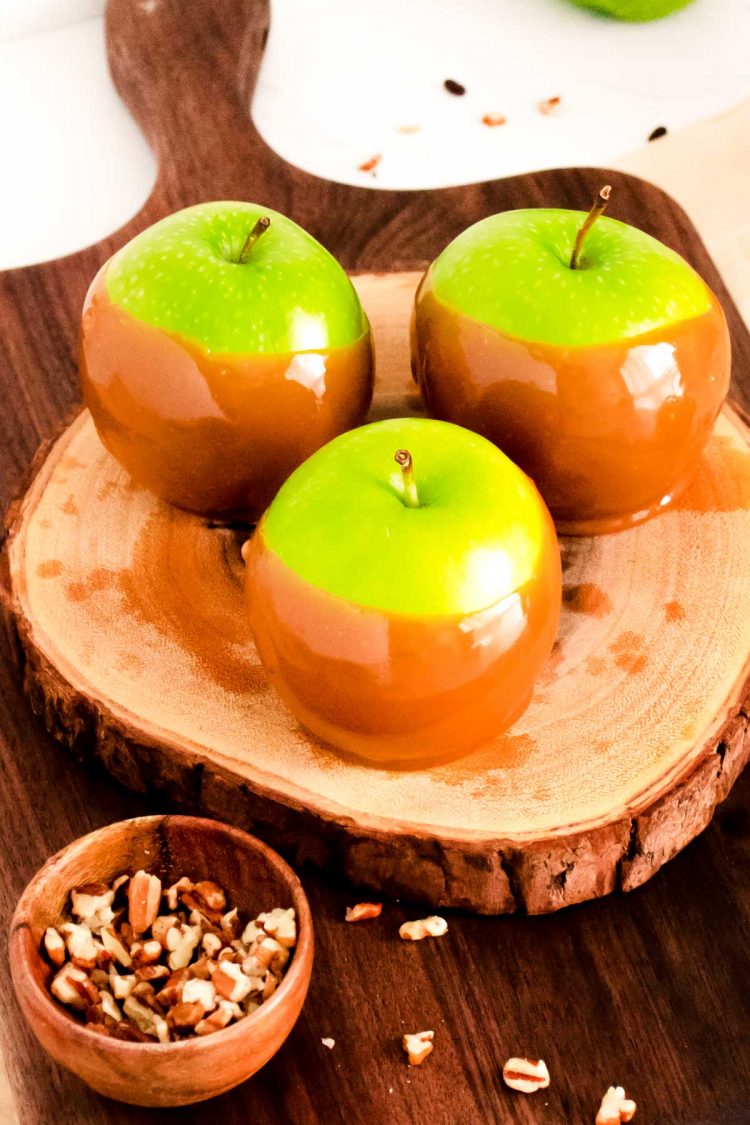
(138, 654)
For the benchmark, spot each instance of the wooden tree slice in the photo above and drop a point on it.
(139, 655)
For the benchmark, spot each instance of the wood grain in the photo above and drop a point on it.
(128, 611)
(649, 990)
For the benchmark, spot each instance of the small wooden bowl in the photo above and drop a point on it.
(255, 879)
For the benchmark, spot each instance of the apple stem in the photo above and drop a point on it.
(402, 457)
(260, 228)
(598, 208)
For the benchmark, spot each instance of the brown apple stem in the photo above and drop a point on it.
(260, 228)
(402, 457)
(599, 207)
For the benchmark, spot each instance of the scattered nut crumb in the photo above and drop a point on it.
(371, 164)
(615, 1109)
(329, 1043)
(418, 1046)
(526, 1075)
(164, 964)
(549, 105)
(363, 911)
(659, 131)
(494, 119)
(454, 87)
(433, 926)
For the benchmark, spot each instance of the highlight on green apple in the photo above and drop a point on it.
(633, 11)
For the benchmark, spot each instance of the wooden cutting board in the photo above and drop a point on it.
(636, 730)
(139, 654)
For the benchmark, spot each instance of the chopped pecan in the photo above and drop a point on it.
(271, 955)
(218, 1019)
(109, 1007)
(148, 1021)
(82, 949)
(363, 911)
(151, 973)
(493, 119)
(69, 986)
(526, 1075)
(173, 893)
(144, 897)
(615, 1109)
(281, 925)
(549, 105)
(145, 993)
(211, 944)
(92, 904)
(179, 952)
(230, 924)
(211, 895)
(418, 1046)
(121, 986)
(161, 927)
(203, 968)
(185, 1016)
(171, 993)
(434, 926)
(200, 991)
(230, 982)
(116, 947)
(54, 946)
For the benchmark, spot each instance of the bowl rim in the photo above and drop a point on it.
(66, 1024)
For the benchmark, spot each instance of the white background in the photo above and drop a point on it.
(340, 78)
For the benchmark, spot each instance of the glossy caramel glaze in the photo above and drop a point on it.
(394, 690)
(214, 434)
(610, 434)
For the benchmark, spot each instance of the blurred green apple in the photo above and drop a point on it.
(635, 11)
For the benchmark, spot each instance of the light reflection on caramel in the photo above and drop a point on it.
(611, 434)
(214, 434)
(393, 690)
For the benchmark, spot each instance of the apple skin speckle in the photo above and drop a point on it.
(512, 271)
(348, 494)
(183, 275)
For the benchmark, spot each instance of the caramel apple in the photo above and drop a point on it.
(404, 591)
(220, 348)
(591, 354)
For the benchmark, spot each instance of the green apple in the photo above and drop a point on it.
(600, 376)
(512, 271)
(635, 11)
(404, 591)
(220, 347)
(184, 276)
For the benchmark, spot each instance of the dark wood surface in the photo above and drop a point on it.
(648, 990)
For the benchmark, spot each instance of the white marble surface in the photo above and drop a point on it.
(340, 77)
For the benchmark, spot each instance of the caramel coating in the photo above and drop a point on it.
(214, 434)
(610, 434)
(394, 690)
